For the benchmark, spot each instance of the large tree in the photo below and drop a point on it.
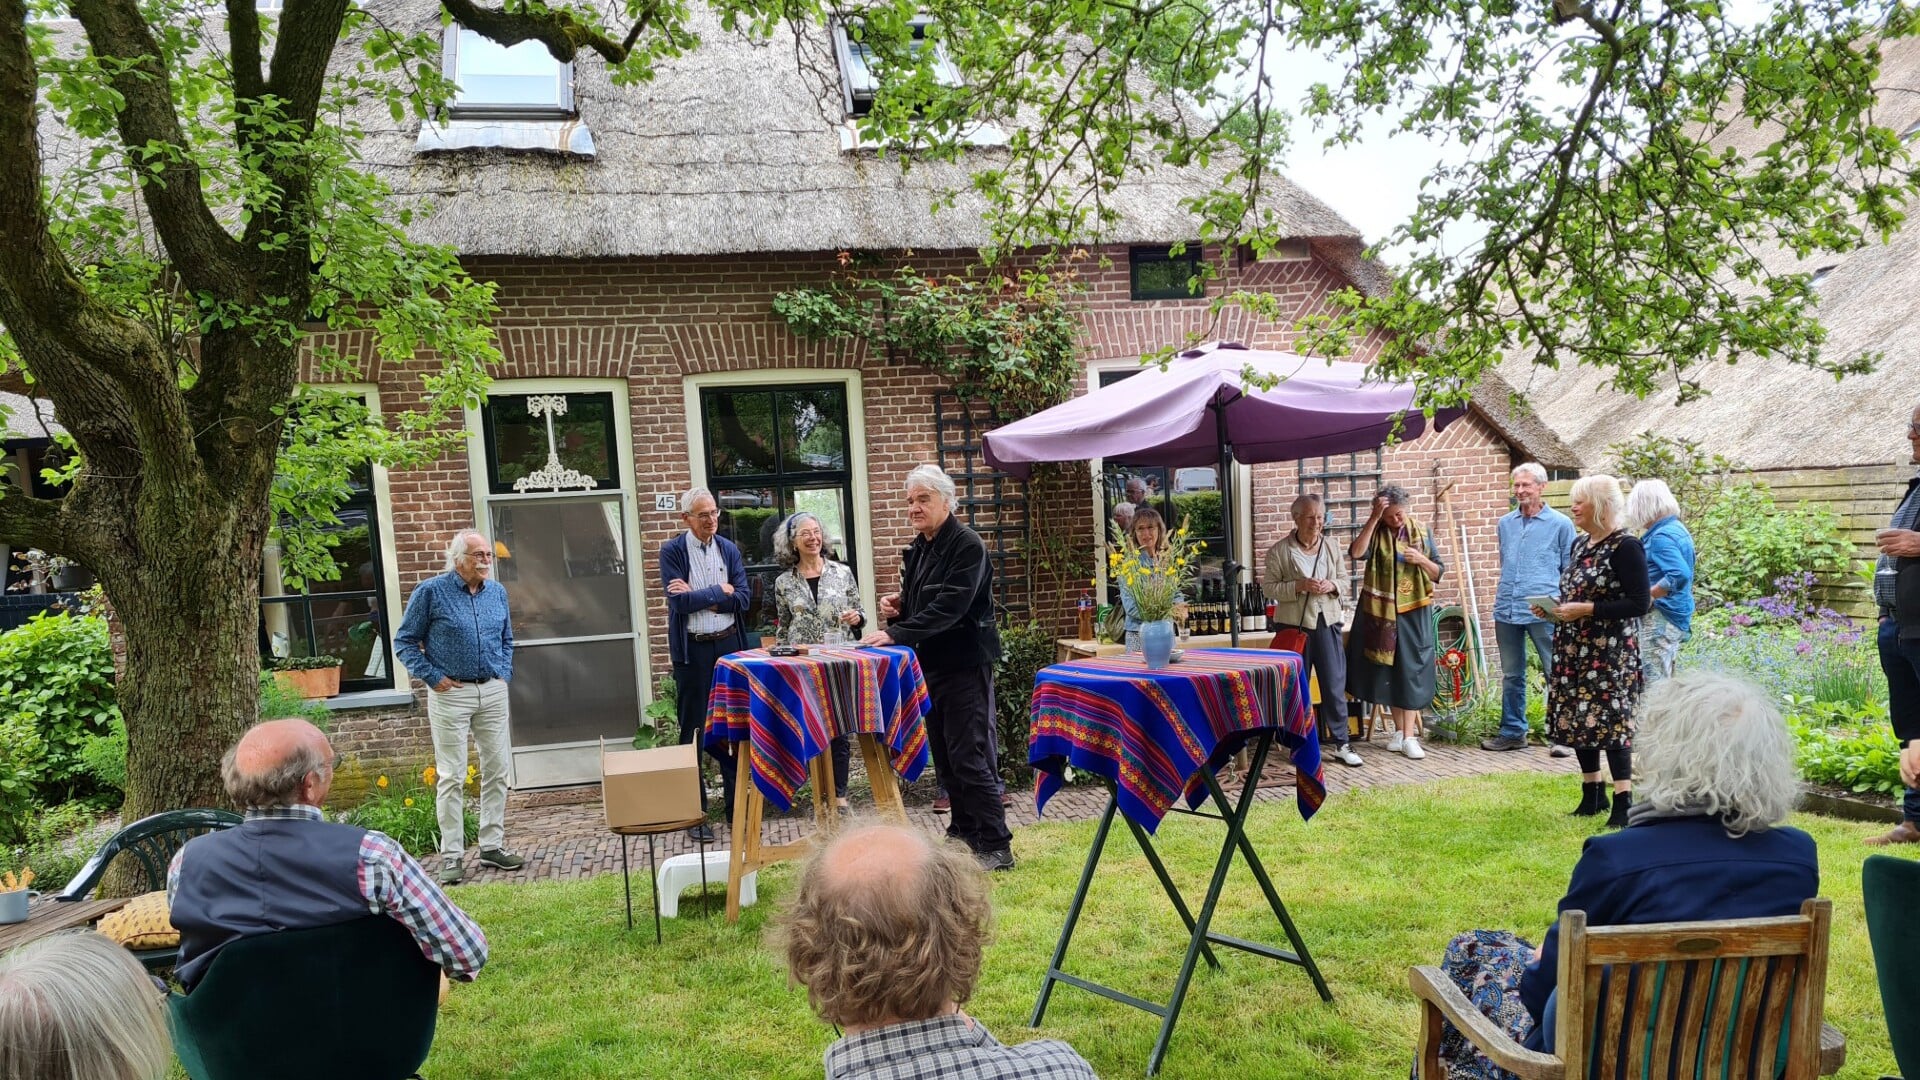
(180, 207)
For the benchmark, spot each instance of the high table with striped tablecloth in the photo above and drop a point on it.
(1156, 736)
(780, 713)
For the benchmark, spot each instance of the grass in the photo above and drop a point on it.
(1378, 881)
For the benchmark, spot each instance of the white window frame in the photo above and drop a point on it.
(862, 523)
(450, 67)
(1242, 509)
(843, 45)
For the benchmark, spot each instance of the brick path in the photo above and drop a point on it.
(563, 833)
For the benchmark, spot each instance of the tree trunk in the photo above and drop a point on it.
(193, 661)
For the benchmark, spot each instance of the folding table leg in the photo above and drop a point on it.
(1236, 820)
(626, 880)
(1300, 954)
(653, 872)
(1073, 909)
(1166, 882)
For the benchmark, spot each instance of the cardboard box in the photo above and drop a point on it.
(649, 787)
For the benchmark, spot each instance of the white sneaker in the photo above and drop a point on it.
(1395, 742)
(1345, 756)
(1561, 751)
(1412, 749)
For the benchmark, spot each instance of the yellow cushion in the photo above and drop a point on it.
(142, 924)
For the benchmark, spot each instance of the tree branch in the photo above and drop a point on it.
(309, 34)
(209, 259)
(243, 33)
(559, 30)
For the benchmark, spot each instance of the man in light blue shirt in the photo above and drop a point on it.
(1535, 543)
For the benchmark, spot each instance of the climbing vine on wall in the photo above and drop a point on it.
(1009, 338)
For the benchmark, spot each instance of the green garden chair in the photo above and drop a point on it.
(1892, 890)
(150, 843)
(363, 989)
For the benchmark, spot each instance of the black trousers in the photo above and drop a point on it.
(692, 682)
(1327, 659)
(960, 734)
(842, 750)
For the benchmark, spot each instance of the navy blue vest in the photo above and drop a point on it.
(263, 876)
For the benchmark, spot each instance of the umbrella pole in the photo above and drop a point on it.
(1229, 570)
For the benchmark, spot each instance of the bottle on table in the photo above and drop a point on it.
(1086, 616)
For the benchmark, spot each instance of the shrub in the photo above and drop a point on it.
(278, 702)
(22, 764)
(56, 673)
(660, 720)
(1201, 510)
(105, 759)
(1849, 747)
(1024, 650)
(1790, 645)
(1744, 543)
(57, 842)
(404, 810)
(306, 663)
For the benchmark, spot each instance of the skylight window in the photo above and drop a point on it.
(860, 65)
(1820, 275)
(523, 82)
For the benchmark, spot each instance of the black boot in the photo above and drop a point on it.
(1593, 798)
(1621, 801)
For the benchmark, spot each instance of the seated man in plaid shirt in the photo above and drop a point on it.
(886, 933)
(287, 868)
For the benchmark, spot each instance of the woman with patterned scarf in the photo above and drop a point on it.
(1390, 653)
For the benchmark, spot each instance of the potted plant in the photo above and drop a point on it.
(309, 676)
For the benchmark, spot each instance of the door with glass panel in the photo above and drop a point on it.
(771, 451)
(557, 507)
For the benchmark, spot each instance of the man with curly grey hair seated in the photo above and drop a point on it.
(886, 931)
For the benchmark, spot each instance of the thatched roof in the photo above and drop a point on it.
(28, 418)
(1769, 414)
(730, 149)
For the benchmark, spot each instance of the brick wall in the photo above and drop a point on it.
(653, 322)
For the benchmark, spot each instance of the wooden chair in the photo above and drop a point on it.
(1735, 999)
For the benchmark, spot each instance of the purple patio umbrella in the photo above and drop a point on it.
(1200, 411)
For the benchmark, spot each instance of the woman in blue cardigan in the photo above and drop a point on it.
(1652, 509)
(1703, 841)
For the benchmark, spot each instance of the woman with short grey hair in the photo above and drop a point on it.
(1390, 652)
(1653, 510)
(816, 602)
(1305, 577)
(77, 1006)
(1707, 840)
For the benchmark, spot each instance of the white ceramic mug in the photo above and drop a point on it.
(13, 905)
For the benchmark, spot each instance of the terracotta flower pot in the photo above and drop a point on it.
(311, 682)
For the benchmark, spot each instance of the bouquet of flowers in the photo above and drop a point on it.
(1158, 581)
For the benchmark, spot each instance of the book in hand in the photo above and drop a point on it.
(1545, 606)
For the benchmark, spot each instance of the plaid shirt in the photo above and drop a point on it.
(394, 885)
(949, 1046)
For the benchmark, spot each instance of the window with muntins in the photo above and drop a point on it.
(344, 617)
(1156, 273)
(498, 82)
(1190, 495)
(772, 451)
(1346, 484)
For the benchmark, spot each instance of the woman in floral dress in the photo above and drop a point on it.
(817, 603)
(1595, 682)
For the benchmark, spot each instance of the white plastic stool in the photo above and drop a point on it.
(682, 872)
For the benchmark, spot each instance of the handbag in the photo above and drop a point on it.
(1291, 639)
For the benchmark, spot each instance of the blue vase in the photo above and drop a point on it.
(1156, 642)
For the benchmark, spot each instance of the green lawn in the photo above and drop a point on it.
(1378, 881)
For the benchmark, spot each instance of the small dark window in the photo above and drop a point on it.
(1156, 273)
(527, 434)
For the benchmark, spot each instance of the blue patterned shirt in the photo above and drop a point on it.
(451, 632)
(1533, 552)
(949, 1046)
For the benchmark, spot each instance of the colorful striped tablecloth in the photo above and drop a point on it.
(1152, 732)
(787, 708)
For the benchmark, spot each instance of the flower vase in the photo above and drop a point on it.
(1156, 642)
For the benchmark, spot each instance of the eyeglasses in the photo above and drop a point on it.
(480, 556)
(1913, 431)
(706, 515)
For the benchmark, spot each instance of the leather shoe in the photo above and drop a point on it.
(995, 860)
(701, 834)
(1503, 742)
(1904, 833)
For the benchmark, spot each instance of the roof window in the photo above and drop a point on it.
(860, 65)
(494, 81)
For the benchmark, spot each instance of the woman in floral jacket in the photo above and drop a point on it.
(817, 603)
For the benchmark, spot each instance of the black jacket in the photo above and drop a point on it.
(1906, 586)
(946, 601)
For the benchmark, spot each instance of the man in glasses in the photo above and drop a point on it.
(707, 596)
(457, 638)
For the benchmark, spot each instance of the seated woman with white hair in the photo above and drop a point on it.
(76, 1006)
(1704, 841)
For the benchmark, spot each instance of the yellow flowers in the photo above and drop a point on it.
(381, 783)
(1154, 579)
(429, 776)
(473, 773)
(408, 801)
(9, 882)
